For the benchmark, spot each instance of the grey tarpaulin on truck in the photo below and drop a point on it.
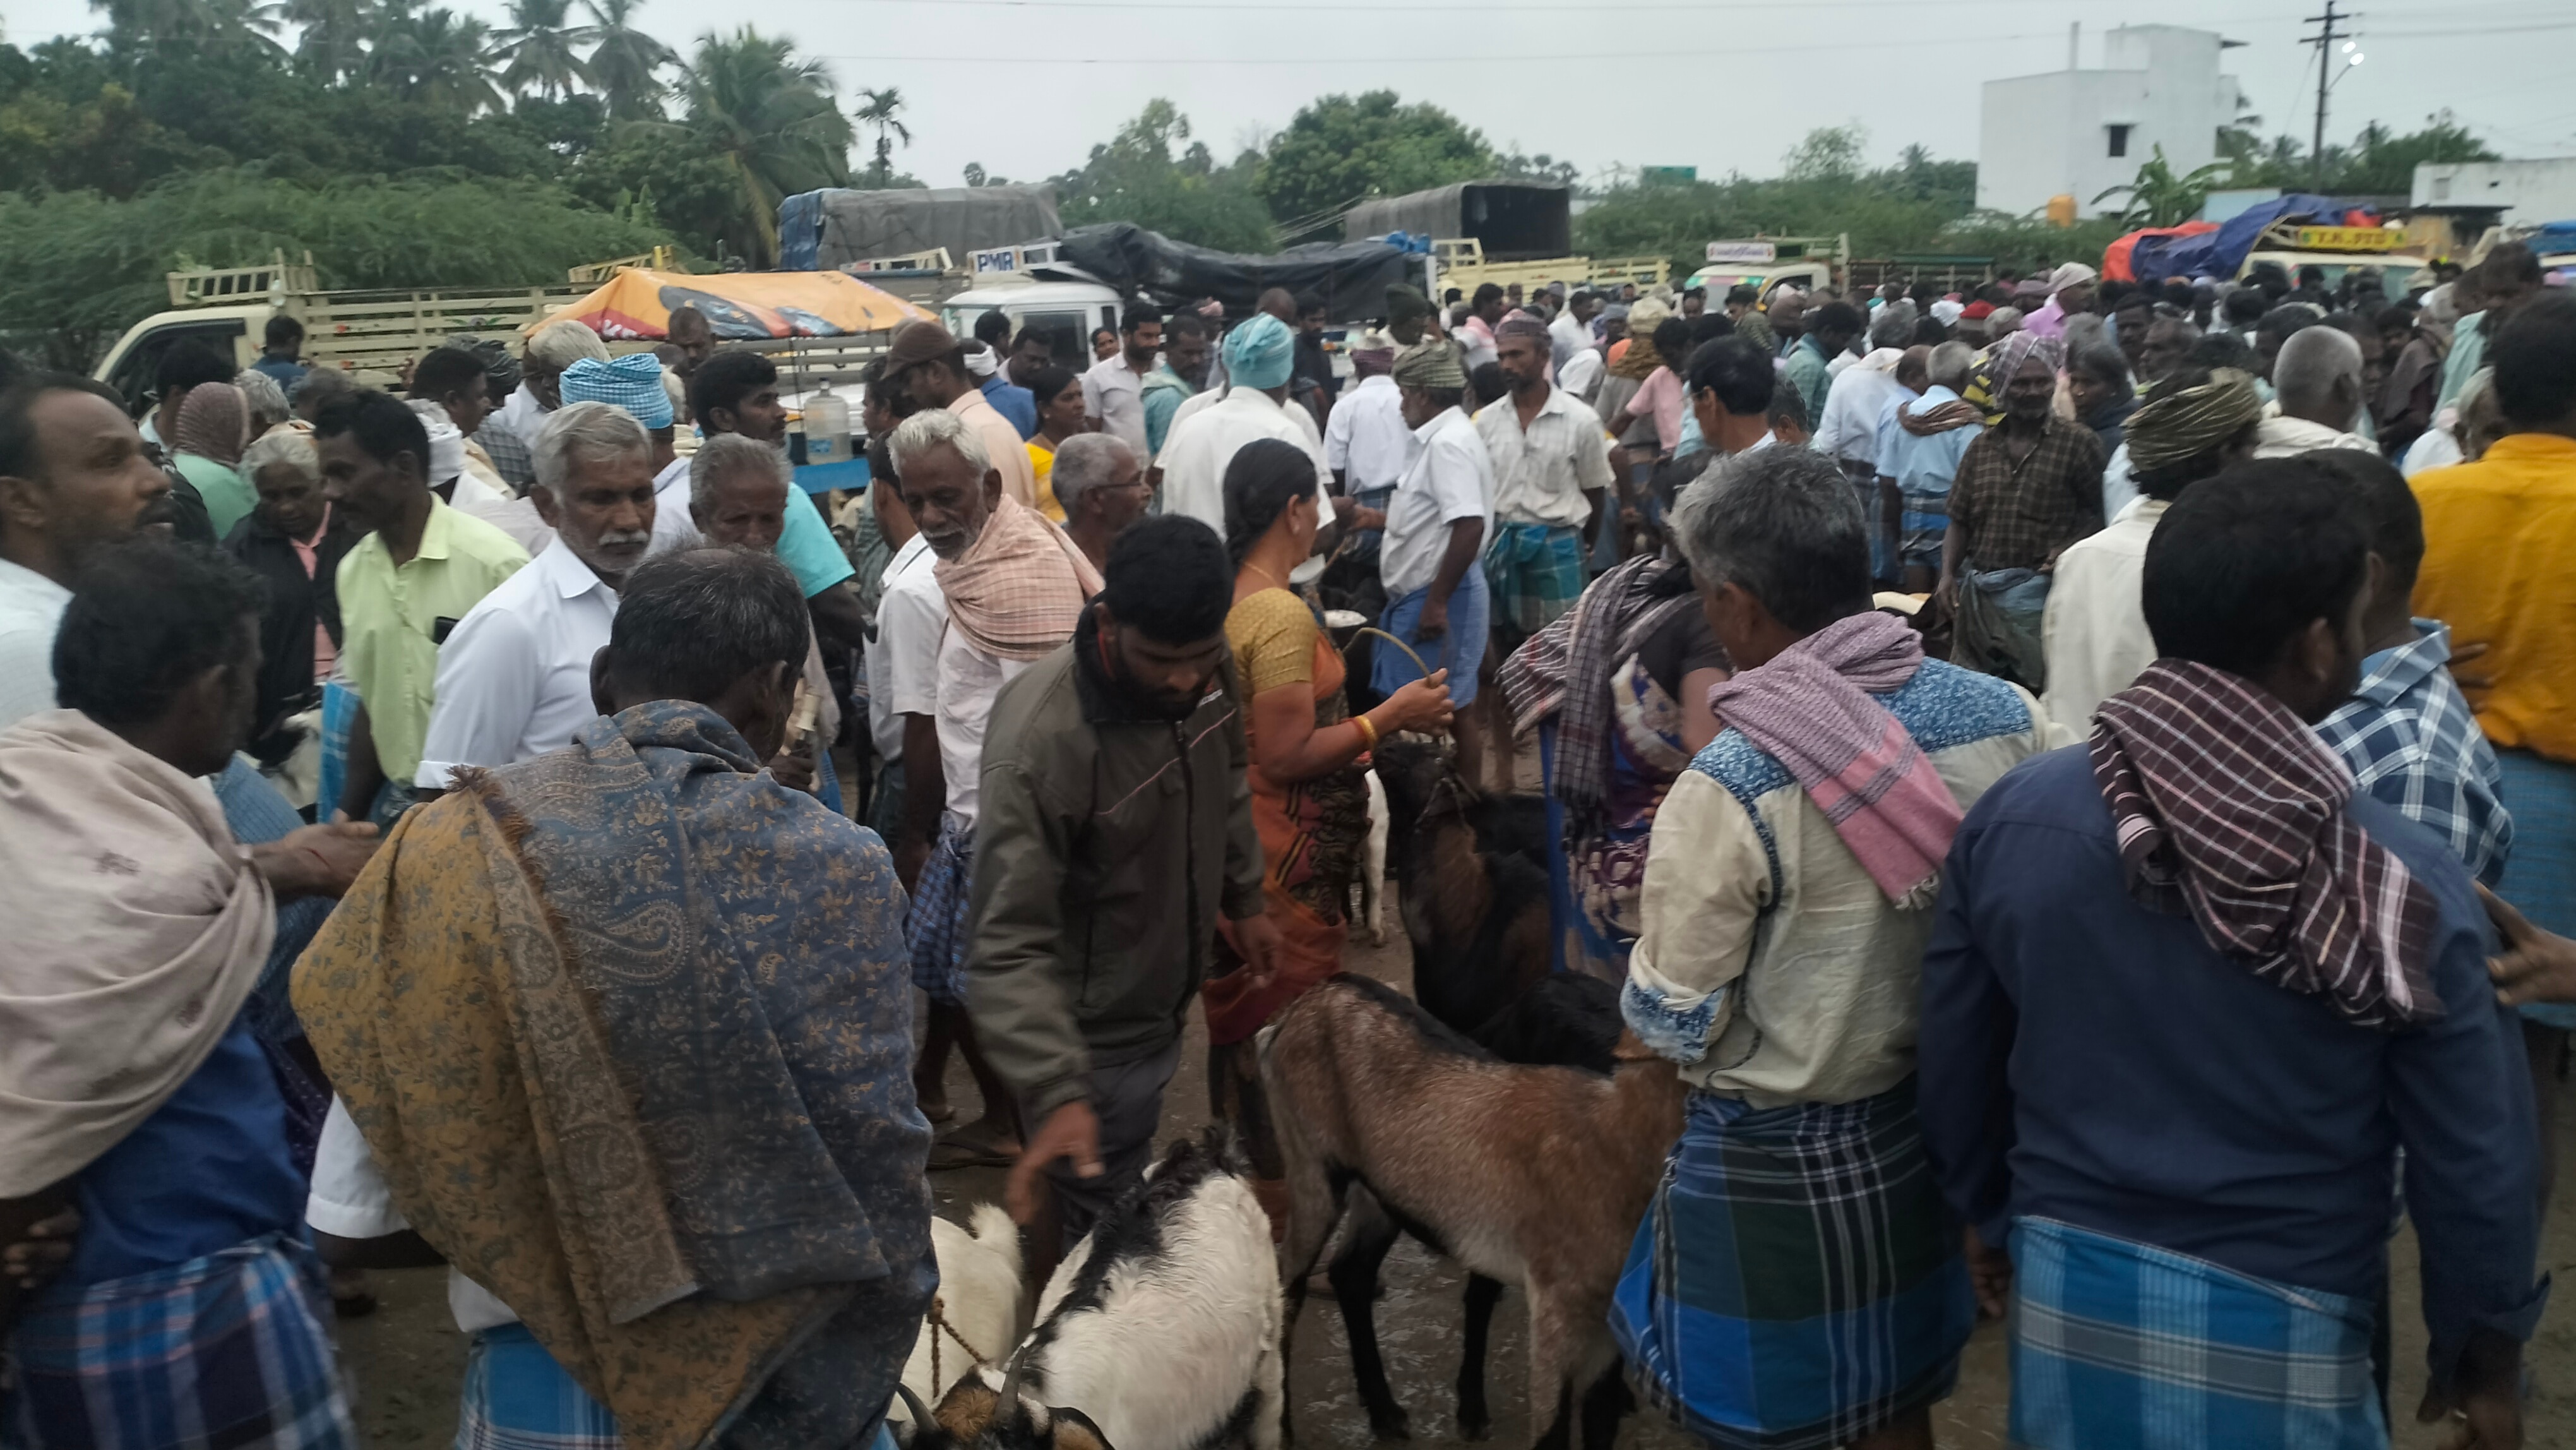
(1517, 221)
(822, 230)
(1351, 277)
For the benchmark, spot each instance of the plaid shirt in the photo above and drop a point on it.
(2018, 515)
(508, 452)
(2411, 740)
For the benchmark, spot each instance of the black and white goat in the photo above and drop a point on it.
(975, 1317)
(1159, 1332)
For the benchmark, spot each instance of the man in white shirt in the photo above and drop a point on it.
(1551, 480)
(2093, 631)
(2318, 379)
(1113, 389)
(1435, 529)
(1848, 433)
(551, 349)
(1571, 332)
(73, 477)
(634, 383)
(1259, 356)
(1014, 587)
(903, 668)
(514, 677)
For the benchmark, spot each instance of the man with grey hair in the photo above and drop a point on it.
(738, 497)
(1789, 886)
(1920, 441)
(551, 349)
(514, 675)
(1015, 587)
(1848, 430)
(1100, 485)
(2317, 377)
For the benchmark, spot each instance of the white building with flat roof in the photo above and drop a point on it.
(2081, 132)
(2524, 191)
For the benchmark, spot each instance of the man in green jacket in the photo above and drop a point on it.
(1115, 827)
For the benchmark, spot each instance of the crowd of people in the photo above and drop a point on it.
(433, 836)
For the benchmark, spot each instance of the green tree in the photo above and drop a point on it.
(332, 41)
(435, 58)
(543, 49)
(83, 266)
(627, 64)
(1340, 149)
(774, 122)
(1137, 178)
(2158, 198)
(882, 109)
(1828, 153)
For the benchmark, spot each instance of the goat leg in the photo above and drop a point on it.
(1475, 1421)
(1355, 1283)
(1554, 1340)
(1604, 1406)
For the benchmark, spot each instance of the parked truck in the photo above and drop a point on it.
(372, 334)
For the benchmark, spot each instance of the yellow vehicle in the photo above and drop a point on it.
(2388, 251)
(1461, 264)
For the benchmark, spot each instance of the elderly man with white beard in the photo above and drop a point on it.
(514, 675)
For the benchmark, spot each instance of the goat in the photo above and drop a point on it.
(1159, 1332)
(1475, 909)
(976, 1316)
(1373, 865)
(1530, 1175)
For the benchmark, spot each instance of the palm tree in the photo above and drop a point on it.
(208, 23)
(436, 57)
(772, 119)
(626, 62)
(333, 40)
(880, 112)
(541, 48)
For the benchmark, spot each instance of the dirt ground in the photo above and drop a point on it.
(408, 1358)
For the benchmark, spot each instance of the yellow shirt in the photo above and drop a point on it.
(2497, 537)
(389, 621)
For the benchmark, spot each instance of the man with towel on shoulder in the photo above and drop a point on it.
(188, 1311)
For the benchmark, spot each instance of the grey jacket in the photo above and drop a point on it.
(1105, 845)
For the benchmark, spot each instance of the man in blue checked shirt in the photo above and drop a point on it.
(2408, 732)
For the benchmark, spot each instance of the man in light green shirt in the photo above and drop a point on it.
(421, 566)
(2504, 281)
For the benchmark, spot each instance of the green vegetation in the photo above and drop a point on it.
(406, 145)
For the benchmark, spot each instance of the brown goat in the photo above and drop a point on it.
(1536, 1176)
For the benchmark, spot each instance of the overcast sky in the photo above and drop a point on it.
(1025, 87)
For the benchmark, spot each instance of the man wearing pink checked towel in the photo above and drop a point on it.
(1797, 1279)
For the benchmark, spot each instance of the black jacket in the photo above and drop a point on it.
(286, 628)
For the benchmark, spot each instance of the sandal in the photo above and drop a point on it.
(963, 1152)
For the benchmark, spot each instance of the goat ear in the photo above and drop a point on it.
(1074, 1430)
(1631, 1048)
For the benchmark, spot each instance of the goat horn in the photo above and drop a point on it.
(921, 1418)
(1010, 1393)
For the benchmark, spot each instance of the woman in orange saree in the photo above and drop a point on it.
(1307, 776)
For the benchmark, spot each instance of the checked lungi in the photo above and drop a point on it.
(1797, 1281)
(1535, 573)
(2122, 1346)
(228, 1350)
(518, 1397)
(935, 926)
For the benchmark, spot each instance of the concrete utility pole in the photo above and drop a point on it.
(2324, 41)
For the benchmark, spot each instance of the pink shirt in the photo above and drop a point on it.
(324, 656)
(1661, 393)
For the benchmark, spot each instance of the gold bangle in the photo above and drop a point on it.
(1368, 732)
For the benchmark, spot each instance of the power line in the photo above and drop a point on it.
(1553, 57)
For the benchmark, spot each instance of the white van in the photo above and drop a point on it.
(1065, 313)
